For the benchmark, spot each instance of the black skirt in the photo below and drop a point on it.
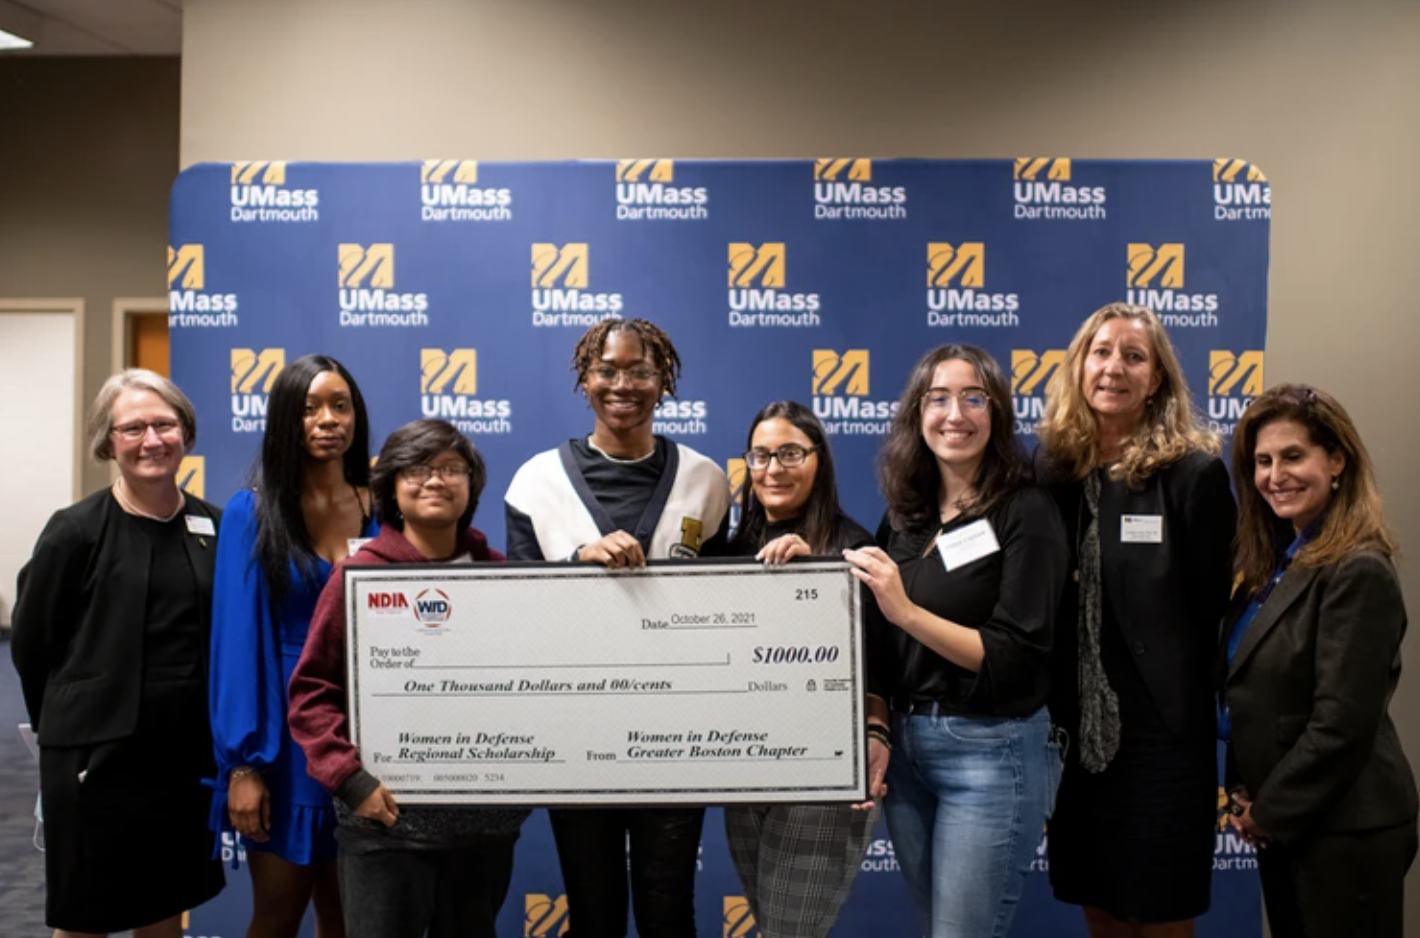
(129, 845)
(1137, 839)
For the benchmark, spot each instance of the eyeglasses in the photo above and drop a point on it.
(790, 456)
(638, 375)
(139, 429)
(454, 472)
(970, 400)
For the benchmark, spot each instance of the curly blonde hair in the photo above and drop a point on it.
(1169, 430)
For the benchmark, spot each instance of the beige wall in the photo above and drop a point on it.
(1322, 95)
(88, 149)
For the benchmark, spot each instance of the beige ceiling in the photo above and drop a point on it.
(95, 27)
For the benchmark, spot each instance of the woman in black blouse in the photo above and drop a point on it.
(797, 861)
(966, 581)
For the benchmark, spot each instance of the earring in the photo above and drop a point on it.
(1335, 483)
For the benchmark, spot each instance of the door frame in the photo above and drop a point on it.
(73, 306)
(124, 309)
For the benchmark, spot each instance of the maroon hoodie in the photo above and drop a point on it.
(321, 726)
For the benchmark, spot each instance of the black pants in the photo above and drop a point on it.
(1338, 885)
(591, 849)
(399, 893)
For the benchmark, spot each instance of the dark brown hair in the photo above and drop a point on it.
(821, 512)
(1354, 518)
(415, 444)
(907, 469)
(654, 342)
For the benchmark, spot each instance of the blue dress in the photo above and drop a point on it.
(252, 660)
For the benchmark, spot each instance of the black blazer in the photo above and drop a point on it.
(1167, 597)
(1308, 693)
(78, 622)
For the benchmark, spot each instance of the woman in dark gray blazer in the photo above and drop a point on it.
(1309, 660)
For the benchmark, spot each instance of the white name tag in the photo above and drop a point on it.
(201, 524)
(1141, 529)
(355, 543)
(960, 547)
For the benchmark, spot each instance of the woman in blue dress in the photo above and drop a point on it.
(280, 539)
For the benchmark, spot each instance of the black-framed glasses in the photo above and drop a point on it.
(971, 400)
(790, 456)
(453, 472)
(139, 429)
(637, 375)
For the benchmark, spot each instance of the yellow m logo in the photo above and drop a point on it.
(568, 264)
(738, 473)
(964, 263)
(645, 170)
(439, 369)
(1227, 370)
(272, 173)
(1164, 263)
(1230, 170)
(848, 372)
(1031, 372)
(362, 266)
(1029, 168)
(739, 921)
(250, 368)
(186, 263)
(544, 916)
(192, 475)
(851, 170)
(764, 264)
(461, 172)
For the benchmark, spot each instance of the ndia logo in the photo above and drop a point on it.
(189, 302)
(1041, 191)
(644, 192)
(367, 295)
(1031, 374)
(253, 374)
(843, 189)
(561, 276)
(260, 193)
(449, 191)
(840, 392)
(448, 387)
(757, 280)
(956, 294)
(1155, 279)
(1234, 379)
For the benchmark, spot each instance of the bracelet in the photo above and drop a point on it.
(241, 771)
(881, 733)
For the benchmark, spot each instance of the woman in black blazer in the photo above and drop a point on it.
(1310, 657)
(110, 642)
(1150, 518)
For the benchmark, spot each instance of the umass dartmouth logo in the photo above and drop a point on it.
(840, 394)
(561, 287)
(738, 474)
(739, 920)
(190, 303)
(192, 475)
(1234, 380)
(1031, 374)
(758, 283)
(260, 194)
(448, 387)
(367, 289)
(544, 916)
(646, 191)
(1156, 279)
(956, 288)
(1043, 190)
(449, 191)
(1230, 851)
(844, 189)
(1240, 191)
(254, 372)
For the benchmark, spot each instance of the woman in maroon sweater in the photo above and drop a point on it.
(404, 869)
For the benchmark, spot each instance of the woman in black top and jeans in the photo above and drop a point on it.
(966, 581)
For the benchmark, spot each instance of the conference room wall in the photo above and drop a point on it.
(1321, 95)
(88, 150)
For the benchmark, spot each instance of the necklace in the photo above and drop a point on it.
(621, 460)
(133, 509)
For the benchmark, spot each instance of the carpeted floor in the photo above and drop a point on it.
(21, 865)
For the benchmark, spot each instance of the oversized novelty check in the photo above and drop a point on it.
(702, 683)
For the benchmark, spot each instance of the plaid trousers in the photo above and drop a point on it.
(797, 862)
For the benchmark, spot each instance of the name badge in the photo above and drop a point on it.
(355, 543)
(960, 547)
(201, 524)
(1141, 529)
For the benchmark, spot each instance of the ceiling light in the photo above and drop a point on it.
(11, 41)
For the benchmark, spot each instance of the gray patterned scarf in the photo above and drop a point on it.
(1099, 706)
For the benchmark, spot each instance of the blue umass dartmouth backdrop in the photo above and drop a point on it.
(457, 289)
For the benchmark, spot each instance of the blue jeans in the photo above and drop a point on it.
(966, 806)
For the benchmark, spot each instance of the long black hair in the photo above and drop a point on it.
(821, 513)
(281, 534)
